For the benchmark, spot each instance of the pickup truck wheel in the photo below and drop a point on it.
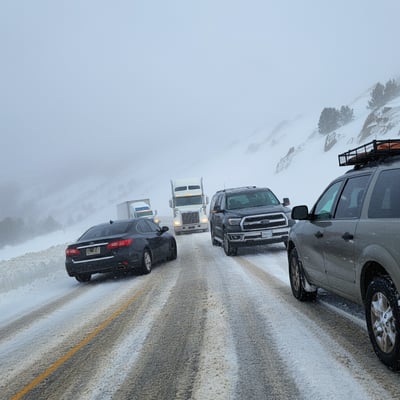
(228, 248)
(213, 240)
(146, 262)
(383, 320)
(83, 277)
(297, 279)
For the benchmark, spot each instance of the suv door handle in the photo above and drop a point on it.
(318, 234)
(347, 236)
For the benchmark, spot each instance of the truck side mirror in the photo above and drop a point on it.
(286, 201)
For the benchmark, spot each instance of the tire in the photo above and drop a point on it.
(297, 279)
(383, 321)
(228, 248)
(146, 262)
(213, 241)
(83, 277)
(173, 252)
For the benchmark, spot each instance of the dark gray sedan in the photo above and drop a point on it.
(124, 245)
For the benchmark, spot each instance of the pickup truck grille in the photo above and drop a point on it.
(264, 221)
(190, 218)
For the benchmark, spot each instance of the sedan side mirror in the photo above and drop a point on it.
(164, 229)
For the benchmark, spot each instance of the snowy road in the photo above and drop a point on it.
(204, 326)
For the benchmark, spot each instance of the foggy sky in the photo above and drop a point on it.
(86, 84)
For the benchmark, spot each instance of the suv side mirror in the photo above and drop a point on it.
(286, 201)
(300, 212)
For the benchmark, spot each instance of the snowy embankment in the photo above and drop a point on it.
(33, 273)
(27, 268)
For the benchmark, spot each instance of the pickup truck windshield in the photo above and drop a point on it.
(252, 199)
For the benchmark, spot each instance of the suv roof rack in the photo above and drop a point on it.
(372, 151)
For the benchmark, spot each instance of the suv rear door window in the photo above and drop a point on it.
(385, 199)
(350, 201)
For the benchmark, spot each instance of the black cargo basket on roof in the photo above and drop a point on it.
(372, 151)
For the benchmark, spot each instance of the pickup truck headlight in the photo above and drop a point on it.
(234, 221)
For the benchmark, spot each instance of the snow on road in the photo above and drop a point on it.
(313, 358)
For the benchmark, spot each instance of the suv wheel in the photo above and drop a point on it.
(228, 248)
(297, 279)
(383, 320)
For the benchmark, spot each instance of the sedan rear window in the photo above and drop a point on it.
(98, 231)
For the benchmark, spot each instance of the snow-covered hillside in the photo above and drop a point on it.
(292, 158)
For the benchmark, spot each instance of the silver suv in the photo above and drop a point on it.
(349, 243)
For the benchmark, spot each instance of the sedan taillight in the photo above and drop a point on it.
(72, 252)
(119, 243)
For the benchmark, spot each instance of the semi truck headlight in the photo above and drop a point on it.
(234, 221)
(177, 223)
(204, 220)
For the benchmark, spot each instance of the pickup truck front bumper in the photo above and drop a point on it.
(258, 237)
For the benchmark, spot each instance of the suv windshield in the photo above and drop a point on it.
(251, 199)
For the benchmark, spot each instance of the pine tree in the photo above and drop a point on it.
(377, 96)
(329, 120)
(391, 90)
(346, 115)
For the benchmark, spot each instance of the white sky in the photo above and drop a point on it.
(84, 84)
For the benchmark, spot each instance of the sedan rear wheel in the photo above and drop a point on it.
(146, 262)
(383, 321)
(83, 277)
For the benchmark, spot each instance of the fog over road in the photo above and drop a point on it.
(204, 326)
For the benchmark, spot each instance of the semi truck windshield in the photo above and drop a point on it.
(188, 201)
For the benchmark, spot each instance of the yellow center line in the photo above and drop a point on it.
(76, 348)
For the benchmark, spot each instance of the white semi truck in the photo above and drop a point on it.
(139, 208)
(189, 205)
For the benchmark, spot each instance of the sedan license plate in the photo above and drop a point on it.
(266, 234)
(92, 251)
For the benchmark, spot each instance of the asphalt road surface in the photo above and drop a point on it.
(204, 326)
